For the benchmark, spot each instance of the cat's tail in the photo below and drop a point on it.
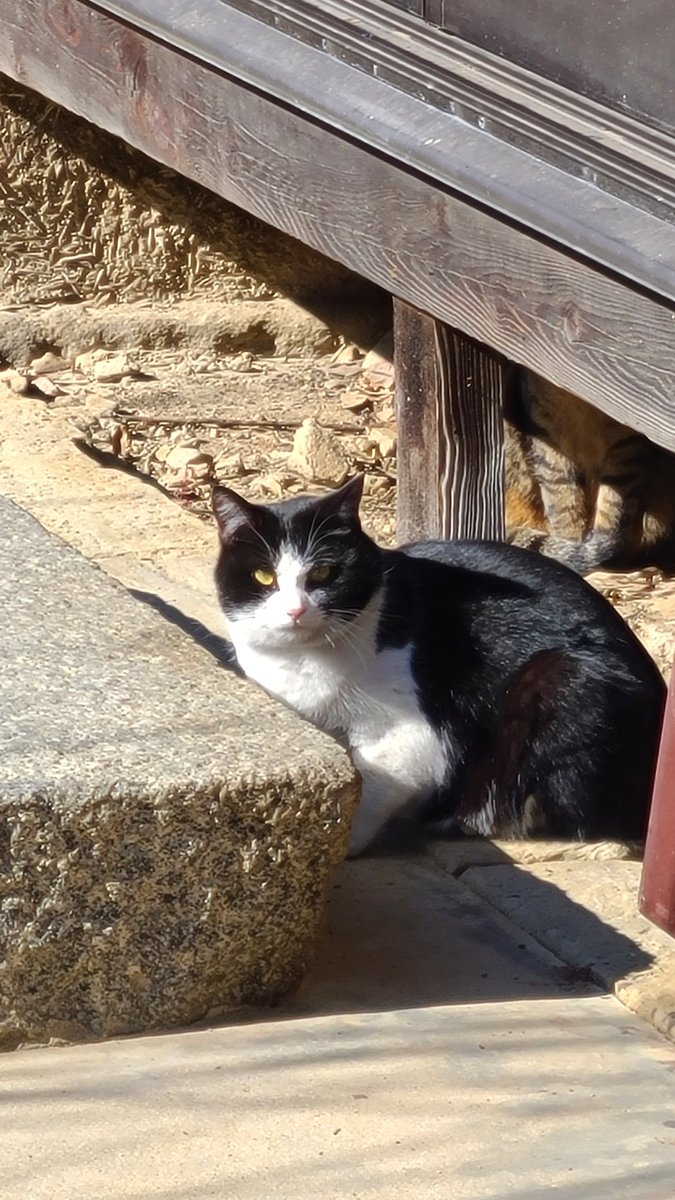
(598, 549)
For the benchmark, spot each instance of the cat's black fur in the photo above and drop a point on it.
(553, 694)
(536, 685)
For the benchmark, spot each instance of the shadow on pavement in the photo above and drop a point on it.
(402, 933)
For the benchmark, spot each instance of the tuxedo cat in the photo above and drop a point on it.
(475, 684)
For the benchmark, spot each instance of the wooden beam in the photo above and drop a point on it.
(449, 392)
(582, 329)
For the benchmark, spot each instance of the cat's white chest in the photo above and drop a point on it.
(312, 683)
(370, 701)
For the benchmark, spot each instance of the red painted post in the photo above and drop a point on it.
(657, 887)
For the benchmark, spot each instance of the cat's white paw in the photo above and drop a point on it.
(366, 825)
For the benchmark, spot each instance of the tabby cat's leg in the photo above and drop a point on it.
(614, 531)
(563, 500)
(617, 517)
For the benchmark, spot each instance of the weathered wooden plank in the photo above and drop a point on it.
(586, 331)
(657, 889)
(449, 392)
(420, 458)
(473, 431)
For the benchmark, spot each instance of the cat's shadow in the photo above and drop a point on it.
(401, 932)
(214, 643)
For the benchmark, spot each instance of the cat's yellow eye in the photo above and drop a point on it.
(265, 578)
(320, 573)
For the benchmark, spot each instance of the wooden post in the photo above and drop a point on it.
(657, 889)
(449, 394)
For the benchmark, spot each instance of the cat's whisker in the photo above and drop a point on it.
(314, 531)
(356, 640)
(265, 543)
(326, 539)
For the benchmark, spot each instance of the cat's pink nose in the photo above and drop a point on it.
(297, 611)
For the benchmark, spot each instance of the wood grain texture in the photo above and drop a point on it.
(450, 392)
(583, 330)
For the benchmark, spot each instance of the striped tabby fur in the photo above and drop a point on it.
(583, 488)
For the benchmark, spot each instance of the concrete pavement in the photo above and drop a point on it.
(451, 1040)
(459, 1061)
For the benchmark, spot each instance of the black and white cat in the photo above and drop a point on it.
(474, 683)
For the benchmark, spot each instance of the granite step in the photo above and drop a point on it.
(167, 832)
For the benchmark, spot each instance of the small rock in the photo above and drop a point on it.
(380, 359)
(230, 465)
(200, 468)
(49, 364)
(201, 364)
(179, 458)
(97, 405)
(15, 381)
(47, 387)
(114, 369)
(356, 401)
(377, 485)
(240, 362)
(86, 361)
(347, 354)
(271, 485)
(162, 452)
(383, 440)
(317, 455)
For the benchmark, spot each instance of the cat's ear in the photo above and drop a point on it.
(232, 511)
(344, 501)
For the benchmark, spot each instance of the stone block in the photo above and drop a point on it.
(167, 832)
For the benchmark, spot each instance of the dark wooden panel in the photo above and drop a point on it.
(617, 51)
(413, 6)
(587, 332)
(449, 392)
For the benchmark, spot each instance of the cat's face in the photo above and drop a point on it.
(296, 572)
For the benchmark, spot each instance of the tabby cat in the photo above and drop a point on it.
(581, 487)
(475, 684)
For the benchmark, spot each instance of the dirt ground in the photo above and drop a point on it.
(188, 420)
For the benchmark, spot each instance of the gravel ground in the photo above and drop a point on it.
(269, 427)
